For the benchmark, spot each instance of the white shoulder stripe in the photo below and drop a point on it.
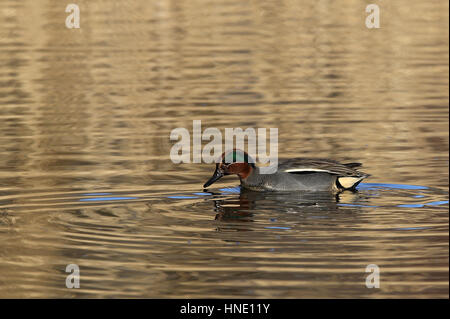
(294, 170)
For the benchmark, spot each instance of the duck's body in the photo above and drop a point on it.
(304, 174)
(297, 174)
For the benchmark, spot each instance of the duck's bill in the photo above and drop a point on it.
(216, 176)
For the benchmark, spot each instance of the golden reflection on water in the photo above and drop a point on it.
(90, 110)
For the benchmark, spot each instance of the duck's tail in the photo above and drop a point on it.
(353, 165)
(350, 182)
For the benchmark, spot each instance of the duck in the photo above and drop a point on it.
(295, 174)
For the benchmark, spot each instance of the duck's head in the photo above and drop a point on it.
(233, 162)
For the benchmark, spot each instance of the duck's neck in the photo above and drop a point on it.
(247, 171)
(249, 175)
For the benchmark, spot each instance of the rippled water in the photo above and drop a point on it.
(85, 173)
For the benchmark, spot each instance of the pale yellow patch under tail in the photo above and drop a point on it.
(349, 182)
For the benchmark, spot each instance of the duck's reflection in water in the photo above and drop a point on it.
(235, 211)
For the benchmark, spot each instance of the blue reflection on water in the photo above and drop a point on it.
(182, 197)
(412, 228)
(234, 190)
(441, 202)
(394, 186)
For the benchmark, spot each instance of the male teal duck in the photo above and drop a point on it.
(296, 174)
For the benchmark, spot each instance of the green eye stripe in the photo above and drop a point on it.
(238, 157)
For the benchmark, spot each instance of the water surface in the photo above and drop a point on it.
(85, 173)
